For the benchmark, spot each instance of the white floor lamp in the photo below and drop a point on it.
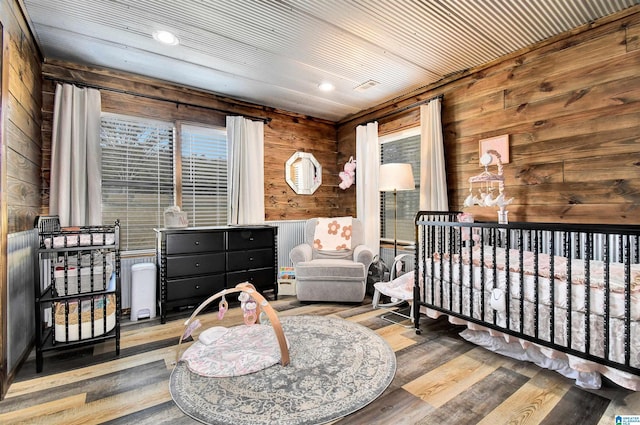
(394, 177)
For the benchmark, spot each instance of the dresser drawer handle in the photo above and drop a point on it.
(197, 286)
(197, 264)
(250, 258)
(197, 243)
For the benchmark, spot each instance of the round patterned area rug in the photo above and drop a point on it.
(337, 367)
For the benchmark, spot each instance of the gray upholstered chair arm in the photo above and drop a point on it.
(299, 253)
(362, 254)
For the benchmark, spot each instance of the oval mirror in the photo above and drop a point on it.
(303, 173)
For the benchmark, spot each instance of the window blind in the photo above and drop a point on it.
(137, 176)
(400, 150)
(204, 174)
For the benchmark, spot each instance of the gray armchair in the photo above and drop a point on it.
(338, 276)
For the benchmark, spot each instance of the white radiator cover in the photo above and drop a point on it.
(290, 234)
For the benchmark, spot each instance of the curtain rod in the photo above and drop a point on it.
(404, 108)
(266, 120)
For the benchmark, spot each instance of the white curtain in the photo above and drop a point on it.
(245, 142)
(367, 193)
(433, 176)
(76, 189)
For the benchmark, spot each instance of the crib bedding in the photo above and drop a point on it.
(484, 299)
(526, 261)
(579, 317)
(536, 281)
(586, 373)
(568, 331)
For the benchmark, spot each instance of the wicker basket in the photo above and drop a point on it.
(66, 324)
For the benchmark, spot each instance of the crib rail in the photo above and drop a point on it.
(570, 287)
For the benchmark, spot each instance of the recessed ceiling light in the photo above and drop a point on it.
(326, 86)
(165, 37)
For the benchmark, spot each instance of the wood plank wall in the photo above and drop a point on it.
(284, 134)
(22, 120)
(571, 106)
(20, 149)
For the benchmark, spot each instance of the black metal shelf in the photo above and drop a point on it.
(47, 298)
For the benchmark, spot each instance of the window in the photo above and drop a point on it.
(204, 174)
(403, 147)
(138, 180)
(137, 176)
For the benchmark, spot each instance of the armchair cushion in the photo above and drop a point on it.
(325, 269)
(318, 254)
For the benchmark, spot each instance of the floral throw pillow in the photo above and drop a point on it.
(333, 234)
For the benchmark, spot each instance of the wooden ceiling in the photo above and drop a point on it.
(277, 52)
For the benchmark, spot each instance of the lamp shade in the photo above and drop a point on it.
(396, 177)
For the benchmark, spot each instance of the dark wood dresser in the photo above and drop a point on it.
(196, 262)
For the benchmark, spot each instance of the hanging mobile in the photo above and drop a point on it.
(250, 315)
(264, 317)
(223, 306)
(243, 297)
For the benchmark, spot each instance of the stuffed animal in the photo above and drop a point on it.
(348, 175)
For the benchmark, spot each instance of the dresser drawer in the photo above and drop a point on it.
(193, 242)
(260, 278)
(255, 259)
(249, 238)
(194, 287)
(191, 265)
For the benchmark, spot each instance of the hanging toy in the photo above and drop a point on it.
(243, 298)
(223, 306)
(348, 176)
(250, 315)
(190, 328)
(263, 318)
(248, 307)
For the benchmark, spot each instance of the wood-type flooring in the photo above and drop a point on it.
(440, 379)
